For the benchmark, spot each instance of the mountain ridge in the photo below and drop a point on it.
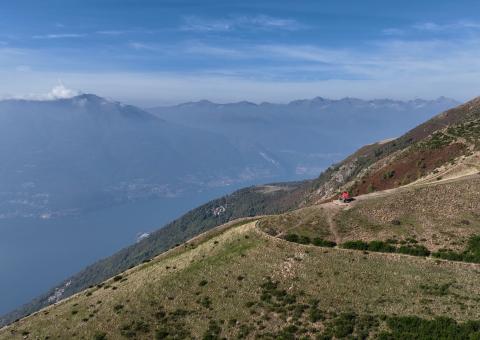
(318, 99)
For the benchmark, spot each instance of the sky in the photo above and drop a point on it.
(160, 52)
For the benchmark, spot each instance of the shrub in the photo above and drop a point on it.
(304, 239)
(202, 283)
(437, 289)
(100, 336)
(470, 254)
(380, 246)
(315, 314)
(344, 325)
(205, 302)
(389, 174)
(213, 331)
(297, 238)
(291, 238)
(323, 243)
(415, 250)
(412, 327)
(359, 245)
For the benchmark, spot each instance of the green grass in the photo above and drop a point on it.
(241, 283)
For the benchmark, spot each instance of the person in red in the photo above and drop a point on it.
(345, 197)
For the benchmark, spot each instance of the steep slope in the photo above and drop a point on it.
(259, 200)
(238, 281)
(400, 161)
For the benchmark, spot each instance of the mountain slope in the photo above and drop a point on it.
(238, 281)
(251, 201)
(414, 151)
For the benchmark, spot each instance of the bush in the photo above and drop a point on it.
(412, 327)
(297, 238)
(323, 243)
(358, 245)
(205, 302)
(304, 239)
(470, 254)
(389, 174)
(344, 325)
(380, 246)
(414, 250)
(213, 331)
(100, 336)
(315, 314)
(291, 238)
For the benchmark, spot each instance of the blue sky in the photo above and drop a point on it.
(160, 52)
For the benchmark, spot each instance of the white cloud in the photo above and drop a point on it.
(194, 23)
(59, 36)
(143, 46)
(436, 27)
(61, 92)
(112, 32)
(57, 92)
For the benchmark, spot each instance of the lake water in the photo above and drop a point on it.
(35, 254)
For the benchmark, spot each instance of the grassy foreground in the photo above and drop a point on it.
(238, 282)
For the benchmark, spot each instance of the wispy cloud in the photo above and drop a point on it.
(112, 32)
(437, 27)
(198, 24)
(143, 46)
(59, 36)
(117, 32)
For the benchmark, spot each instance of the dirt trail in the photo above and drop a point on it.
(333, 208)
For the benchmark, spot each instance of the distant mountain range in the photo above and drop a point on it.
(71, 155)
(305, 136)
(67, 156)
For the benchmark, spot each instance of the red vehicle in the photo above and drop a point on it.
(345, 197)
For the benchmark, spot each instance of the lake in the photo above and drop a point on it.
(37, 254)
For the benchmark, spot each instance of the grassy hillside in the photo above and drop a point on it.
(238, 282)
(252, 201)
(440, 216)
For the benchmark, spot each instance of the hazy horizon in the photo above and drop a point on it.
(164, 52)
